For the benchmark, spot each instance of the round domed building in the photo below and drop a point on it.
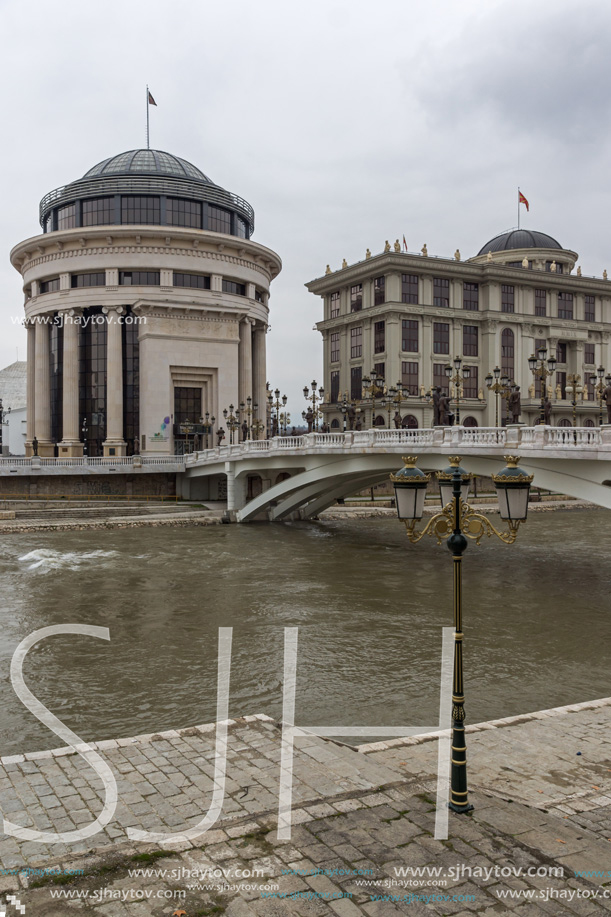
(146, 306)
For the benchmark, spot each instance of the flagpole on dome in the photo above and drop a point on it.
(518, 206)
(148, 146)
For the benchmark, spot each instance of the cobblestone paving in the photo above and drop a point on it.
(363, 827)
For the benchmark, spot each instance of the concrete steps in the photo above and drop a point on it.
(53, 511)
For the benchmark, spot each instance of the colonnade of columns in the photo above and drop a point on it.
(252, 368)
(38, 412)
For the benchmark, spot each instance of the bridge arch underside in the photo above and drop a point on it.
(317, 482)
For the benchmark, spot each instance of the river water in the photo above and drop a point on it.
(369, 607)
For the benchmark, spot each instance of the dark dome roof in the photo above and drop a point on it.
(519, 238)
(147, 162)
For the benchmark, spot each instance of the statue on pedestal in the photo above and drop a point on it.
(436, 407)
(547, 411)
(514, 404)
(607, 398)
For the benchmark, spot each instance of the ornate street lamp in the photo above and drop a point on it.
(574, 389)
(457, 522)
(599, 388)
(457, 380)
(232, 421)
(275, 405)
(316, 398)
(500, 385)
(208, 423)
(540, 371)
(372, 388)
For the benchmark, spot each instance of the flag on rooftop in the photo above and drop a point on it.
(522, 200)
(152, 100)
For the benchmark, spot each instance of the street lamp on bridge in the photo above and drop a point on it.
(500, 385)
(373, 387)
(542, 372)
(457, 380)
(457, 522)
(232, 420)
(275, 405)
(316, 398)
(599, 389)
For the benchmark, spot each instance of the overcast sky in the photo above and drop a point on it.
(342, 123)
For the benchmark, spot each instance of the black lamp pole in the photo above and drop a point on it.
(457, 544)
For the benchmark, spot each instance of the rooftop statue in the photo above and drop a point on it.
(425, 250)
(397, 246)
(387, 246)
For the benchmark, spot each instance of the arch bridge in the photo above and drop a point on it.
(299, 476)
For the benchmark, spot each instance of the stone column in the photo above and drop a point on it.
(70, 444)
(245, 360)
(30, 386)
(42, 397)
(114, 443)
(259, 373)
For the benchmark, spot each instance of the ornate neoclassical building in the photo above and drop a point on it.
(407, 315)
(146, 305)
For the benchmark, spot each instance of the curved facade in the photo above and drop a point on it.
(146, 306)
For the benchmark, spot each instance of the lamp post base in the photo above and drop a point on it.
(467, 807)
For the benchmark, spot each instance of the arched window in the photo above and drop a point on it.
(469, 422)
(283, 476)
(588, 423)
(379, 421)
(564, 423)
(409, 422)
(335, 424)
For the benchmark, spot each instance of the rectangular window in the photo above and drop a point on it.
(507, 297)
(520, 264)
(356, 342)
(540, 302)
(409, 335)
(378, 291)
(183, 213)
(565, 305)
(591, 388)
(335, 346)
(409, 288)
(197, 281)
(88, 280)
(219, 220)
(335, 386)
(469, 341)
(379, 337)
(440, 380)
(559, 268)
(561, 381)
(470, 296)
(409, 378)
(380, 371)
(139, 278)
(356, 297)
(588, 314)
(471, 384)
(187, 405)
(441, 292)
(138, 209)
(441, 337)
(561, 351)
(49, 286)
(230, 286)
(334, 302)
(356, 383)
(66, 217)
(588, 354)
(99, 211)
(259, 296)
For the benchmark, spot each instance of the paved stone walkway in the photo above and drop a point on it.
(362, 838)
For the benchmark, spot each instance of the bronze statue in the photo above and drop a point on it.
(397, 419)
(220, 436)
(514, 404)
(351, 415)
(445, 413)
(436, 407)
(547, 411)
(309, 419)
(35, 446)
(607, 398)
(244, 431)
